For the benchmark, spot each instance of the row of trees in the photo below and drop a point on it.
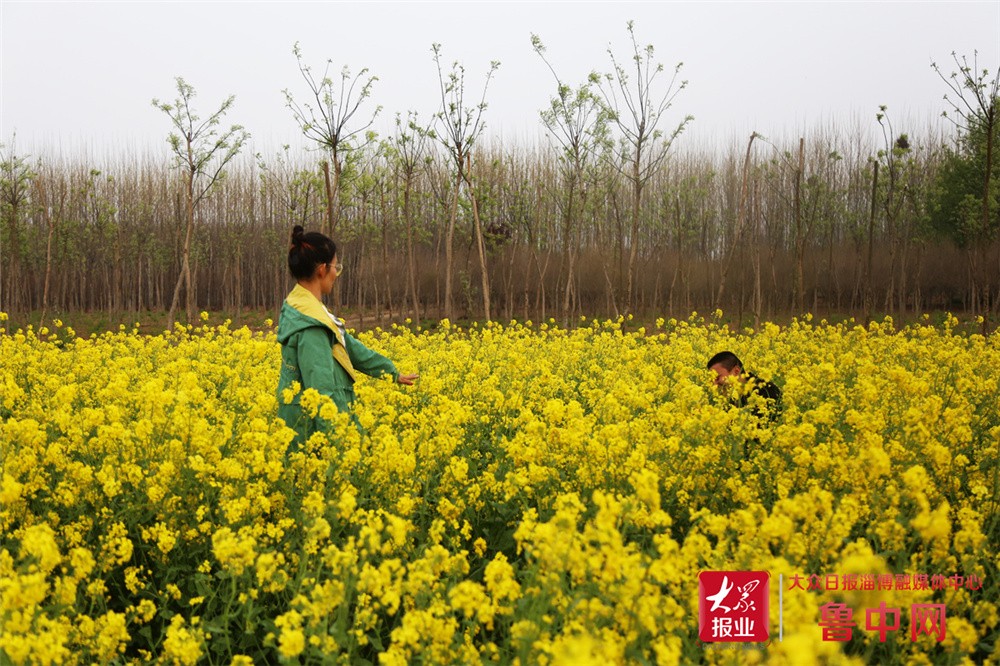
(607, 218)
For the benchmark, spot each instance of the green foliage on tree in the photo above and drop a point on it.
(328, 119)
(965, 205)
(637, 101)
(957, 200)
(576, 122)
(459, 126)
(201, 152)
(16, 176)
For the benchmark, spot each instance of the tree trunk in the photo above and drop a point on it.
(869, 292)
(509, 286)
(330, 196)
(739, 224)
(800, 241)
(634, 240)
(990, 125)
(385, 257)
(449, 312)
(758, 294)
(51, 226)
(568, 252)
(184, 278)
(410, 259)
(481, 247)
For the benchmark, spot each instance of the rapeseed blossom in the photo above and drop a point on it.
(542, 495)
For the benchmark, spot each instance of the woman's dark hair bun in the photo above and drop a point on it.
(308, 251)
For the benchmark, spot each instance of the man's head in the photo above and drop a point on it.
(726, 366)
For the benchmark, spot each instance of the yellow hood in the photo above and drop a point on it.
(305, 302)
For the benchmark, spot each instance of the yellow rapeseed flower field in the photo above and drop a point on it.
(541, 496)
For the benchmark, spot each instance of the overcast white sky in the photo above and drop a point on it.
(84, 73)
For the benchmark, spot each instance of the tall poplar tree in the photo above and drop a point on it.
(328, 119)
(638, 101)
(201, 152)
(16, 176)
(459, 126)
(576, 123)
(408, 151)
(967, 201)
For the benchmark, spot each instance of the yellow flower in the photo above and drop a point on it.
(600, 455)
(145, 610)
(112, 636)
(234, 551)
(271, 576)
(10, 489)
(183, 644)
(292, 390)
(292, 640)
(39, 542)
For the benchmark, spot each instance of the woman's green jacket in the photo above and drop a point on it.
(318, 353)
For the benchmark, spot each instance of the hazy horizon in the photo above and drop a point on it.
(81, 75)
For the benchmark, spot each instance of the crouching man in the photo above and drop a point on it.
(745, 388)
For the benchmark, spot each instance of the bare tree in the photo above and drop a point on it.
(896, 165)
(737, 235)
(409, 148)
(202, 153)
(295, 188)
(15, 201)
(637, 107)
(117, 241)
(577, 123)
(460, 126)
(327, 118)
(53, 205)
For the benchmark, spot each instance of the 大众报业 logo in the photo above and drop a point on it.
(733, 606)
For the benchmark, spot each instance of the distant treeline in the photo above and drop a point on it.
(829, 222)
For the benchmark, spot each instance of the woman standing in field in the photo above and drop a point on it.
(317, 352)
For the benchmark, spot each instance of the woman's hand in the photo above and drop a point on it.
(407, 379)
